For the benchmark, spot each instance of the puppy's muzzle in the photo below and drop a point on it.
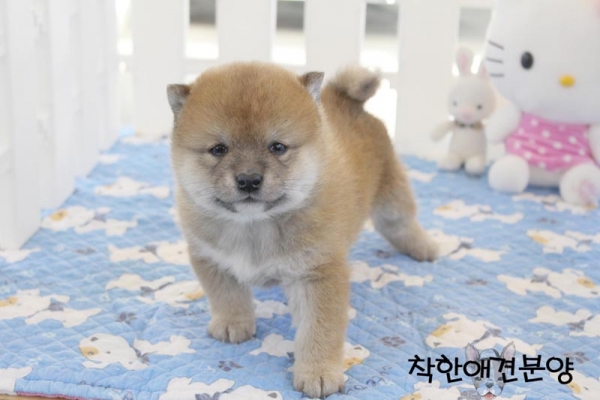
(249, 182)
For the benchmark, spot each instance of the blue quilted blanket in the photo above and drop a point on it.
(101, 302)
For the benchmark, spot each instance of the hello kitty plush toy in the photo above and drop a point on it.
(471, 100)
(544, 57)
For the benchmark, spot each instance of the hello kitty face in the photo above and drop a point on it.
(472, 98)
(543, 56)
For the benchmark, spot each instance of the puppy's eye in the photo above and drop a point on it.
(480, 107)
(278, 148)
(527, 60)
(219, 150)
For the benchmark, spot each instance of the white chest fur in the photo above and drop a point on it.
(256, 253)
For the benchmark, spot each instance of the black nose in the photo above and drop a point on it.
(489, 384)
(249, 182)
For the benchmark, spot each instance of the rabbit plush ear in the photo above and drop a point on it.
(464, 61)
(483, 72)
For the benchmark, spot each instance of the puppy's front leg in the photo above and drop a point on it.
(231, 306)
(319, 305)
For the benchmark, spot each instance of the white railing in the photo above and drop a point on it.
(58, 78)
(334, 33)
(58, 108)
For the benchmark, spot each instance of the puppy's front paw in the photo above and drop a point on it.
(233, 331)
(318, 380)
(424, 249)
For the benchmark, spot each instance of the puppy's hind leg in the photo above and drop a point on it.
(395, 215)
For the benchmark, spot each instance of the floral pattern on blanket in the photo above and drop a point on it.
(102, 303)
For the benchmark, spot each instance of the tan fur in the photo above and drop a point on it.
(340, 169)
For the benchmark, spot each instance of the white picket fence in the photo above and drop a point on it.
(59, 69)
(58, 109)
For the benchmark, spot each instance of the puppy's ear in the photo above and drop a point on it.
(508, 353)
(313, 81)
(177, 95)
(472, 353)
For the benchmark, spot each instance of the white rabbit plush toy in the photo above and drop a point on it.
(544, 57)
(471, 100)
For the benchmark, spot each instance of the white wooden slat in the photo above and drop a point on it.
(19, 174)
(5, 117)
(110, 73)
(93, 128)
(246, 29)
(64, 34)
(334, 31)
(428, 37)
(159, 42)
(72, 89)
(49, 176)
(55, 81)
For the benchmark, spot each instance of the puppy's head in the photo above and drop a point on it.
(487, 369)
(246, 140)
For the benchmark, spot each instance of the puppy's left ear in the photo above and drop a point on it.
(313, 81)
(508, 353)
(472, 353)
(177, 95)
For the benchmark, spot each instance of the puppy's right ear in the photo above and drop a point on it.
(177, 95)
(508, 353)
(472, 353)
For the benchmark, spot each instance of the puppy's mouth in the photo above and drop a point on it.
(250, 201)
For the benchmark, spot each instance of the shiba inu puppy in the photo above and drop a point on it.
(275, 179)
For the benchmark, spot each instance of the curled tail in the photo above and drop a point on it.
(355, 83)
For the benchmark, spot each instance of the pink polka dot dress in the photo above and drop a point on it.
(550, 145)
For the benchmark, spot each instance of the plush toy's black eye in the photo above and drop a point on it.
(278, 148)
(455, 103)
(480, 107)
(219, 150)
(527, 60)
